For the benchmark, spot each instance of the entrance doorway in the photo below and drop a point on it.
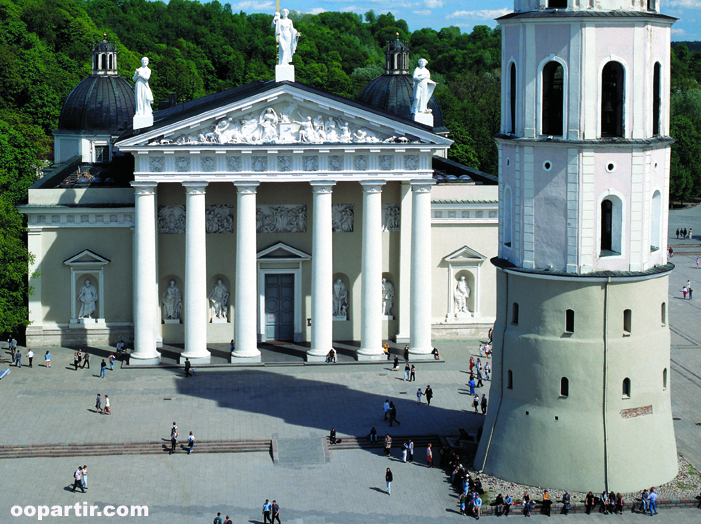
(279, 306)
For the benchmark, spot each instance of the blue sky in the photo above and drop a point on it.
(462, 13)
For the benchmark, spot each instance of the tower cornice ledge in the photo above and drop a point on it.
(603, 276)
(615, 141)
(604, 16)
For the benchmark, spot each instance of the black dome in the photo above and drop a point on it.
(98, 105)
(394, 94)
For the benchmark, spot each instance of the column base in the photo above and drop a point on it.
(244, 359)
(195, 360)
(159, 342)
(369, 354)
(135, 361)
(420, 351)
(315, 355)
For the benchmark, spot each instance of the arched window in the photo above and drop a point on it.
(506, 232)
(651, 5)
(512, 98)
(655, 220)
(553, 99)
(509, 380)
(109, 62)
(656, 98)
(627, 321)
(663, 313)
(664, 379)
(564, 387)
(514, 314)
(569, 321)
(97, 62)
(611, 226)
(626, 388)
(612, 92)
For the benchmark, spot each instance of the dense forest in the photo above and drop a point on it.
(196, 49)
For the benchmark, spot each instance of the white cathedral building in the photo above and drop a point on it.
(269, 212)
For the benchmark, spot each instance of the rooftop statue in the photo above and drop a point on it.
(423, 88)
(288, 36)
(142, 91)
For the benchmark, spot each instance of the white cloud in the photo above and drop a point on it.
(678, 32)
(482, 14)
(691, 4)
(253, 6)
(315, 10)
(433, 4)
(349, 9)
(423, 12)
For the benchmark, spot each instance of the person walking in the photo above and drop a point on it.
(405, 450)
(393, 414)
(698, 261)
(173, 438)
(75, 361)
(103, 368)
(429, 456)
(386, 408)
(112, 358)
(471, 383)
(47, 359)
(484, 404)
(406, 371)
(395, 363)
(217, 519)
(227, 520)
(190, 442)
(18, 358)
(487, 370)
(276, 512)
(476, 402)
(78, 480)
(411, 450)
(30, 357)
(108, 407)
(267, 508)
(418, 396)
(98, 404)
(388, 479)
(472, 364)
(677, 233)
(388, 445)
(412, 375)
(428, 393)
(481, 350)
(652, 500)
(477, 505)
(187, 367)
(86, 360)
(684, 290)
(85, 476)
(480, 384)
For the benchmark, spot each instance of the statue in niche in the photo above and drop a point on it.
(172, 302)
(287, 35)
(423, 88)
(88, 297)
(388, 297)
(462, 293)
(340, 300)
(218, 298)
(142, 91)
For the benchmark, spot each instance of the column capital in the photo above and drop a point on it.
(197, 187)
(144, 187)
(32, 230)
(372, 186)
(322, 186)
(246, 186)
(422, 186)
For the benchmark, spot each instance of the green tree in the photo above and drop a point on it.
(685, 170)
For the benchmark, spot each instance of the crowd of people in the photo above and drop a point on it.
(684, 233)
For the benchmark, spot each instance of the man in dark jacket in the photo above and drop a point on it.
(388, 479)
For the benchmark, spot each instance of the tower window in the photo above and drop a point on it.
(651, 5)
(655, 219)
(512, 98)
(514, 314)
(611, 226)
(564, 387)
(109, 62)
(656, 98)
(612, 91)
(557, 4)
(506, 232)
(663, 313)
(553, 99)
(664, 379)
(627, 321)
(509, 380)
(626, 388)
(569, 321)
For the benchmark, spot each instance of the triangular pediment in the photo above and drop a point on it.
(278, 114)
(465, 254)
(281, 252)
(86, 257)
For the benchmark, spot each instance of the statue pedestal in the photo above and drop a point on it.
(282, 73)
(87, 323)
(387, 317)
(219, 321)
(340, 319)
(171, 321)
(421, 118)
(141, 121)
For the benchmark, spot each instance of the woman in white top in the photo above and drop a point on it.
(47, 357)
(108, 410)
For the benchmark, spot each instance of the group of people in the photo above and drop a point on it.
(391, 412)
(174, 440)
(686, 290)
(107, 410)
(270, 512)
(80, 479)
(684, 233)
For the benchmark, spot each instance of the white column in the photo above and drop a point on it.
(420, 341)
(371, 273)
(246, 291)
(322, 272)
(36, 317)
(195, 294)
(404, 288)
(145, 293)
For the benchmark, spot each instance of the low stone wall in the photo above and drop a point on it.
(578, 507)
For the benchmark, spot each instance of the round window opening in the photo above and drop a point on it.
(610, 167)
(547, 165)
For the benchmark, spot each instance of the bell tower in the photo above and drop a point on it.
(581, 343)
(104, 58)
